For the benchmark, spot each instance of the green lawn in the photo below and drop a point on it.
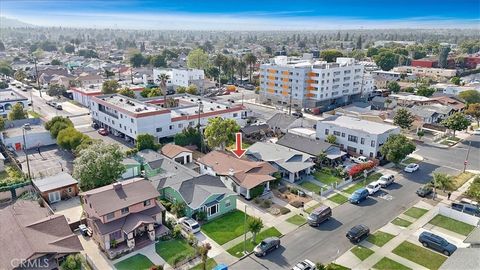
(325, 177)
(415, 212)
(334, 266)
(361, 183)
(297, 220)
(389, 264)
(311, 187)
(362, 252)
(226, 227)
(380, 238)
(138, 261)
(35, 114)
(420, 255)
(173, 250)
(460, 179)
(338, 198)
(211, 263)
(401, 222)
(310, 210)
(237, 250)
(452, 224)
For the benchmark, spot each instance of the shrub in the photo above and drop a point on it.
(131, 152)
(170, 223)
(266, 204)
(257, 200)
(359, 168)
(166, 204)
(256, 191)
(284, 210)
(293, 190)
(191, 239)
(201, 216)
(177, 231)
(296, 204)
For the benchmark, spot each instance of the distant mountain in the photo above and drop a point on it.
(9, 22)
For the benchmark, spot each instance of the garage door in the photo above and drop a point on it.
(54, 196)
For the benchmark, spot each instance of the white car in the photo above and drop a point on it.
(386, 180)
(360, 159)
(373, 187)
(305, 265)
(411, 167)
(189, 225)
(476, 131)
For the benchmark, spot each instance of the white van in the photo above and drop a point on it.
(373, 187)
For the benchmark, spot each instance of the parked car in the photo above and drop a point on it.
(437, 243)
(304, 265)
(59, 107)
(103, 132)
(249, 86)
(297, 114)
(358, 196)
(411, 167)
(319, 215)
(358, 233)
(373, 187)
(360, 159)
(189, 224)
(386, 180)
(267, 245)
(467, 208)
(424, 191)
(476, 131)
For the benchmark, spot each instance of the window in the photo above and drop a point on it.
(131, 120)
(235, 114)
(110, 215)
(361, 152)
(159, 129)
(362, 140)
(227, 203)
(352, 138)
(125, 210)
(120, 125)
(180, 125)
(212, 210)
(147, 203)
(371, 154)
(343, 134)
(372, 143)
(336, 133)
(116, 235)
(69, 189)
(170, 127)
(326, 131)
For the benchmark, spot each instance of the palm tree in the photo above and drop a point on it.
(442, 180)
(250, 59)
(241, 68)
(255, 225)
(163, 78)
(219, 61)
(203, 250)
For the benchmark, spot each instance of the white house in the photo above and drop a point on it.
(181, 77)
(356, 135)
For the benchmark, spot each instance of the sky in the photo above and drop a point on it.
(246, 14)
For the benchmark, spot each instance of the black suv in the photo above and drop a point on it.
(424, 191)
(358, 233)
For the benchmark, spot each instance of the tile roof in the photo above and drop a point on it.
(172, 150)
(54, 182)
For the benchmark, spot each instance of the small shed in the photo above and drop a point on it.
(132, 168)
(58, 187)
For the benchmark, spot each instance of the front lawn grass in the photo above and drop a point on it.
(401, 222)
(311, 187)
(362, 252)
(334, 266)
(325, 177)
(338, 198)
(415, 212)
(362, 183)
(226, 227)
(452, 224)
(173, 250)
(380, 238)
(409, 160)
(419, 255)
(138, 261)
(310, 210)
(389, 264)
(237, 250)
(211, 263)
(297, 220)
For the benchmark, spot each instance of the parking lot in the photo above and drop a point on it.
(50, 160)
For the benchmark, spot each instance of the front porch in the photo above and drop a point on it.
(248, 193)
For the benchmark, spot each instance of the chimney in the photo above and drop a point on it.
(230, 172)
(117, 186)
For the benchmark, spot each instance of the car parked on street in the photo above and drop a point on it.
(358, 196)
(358, 233)
(360, 159)
(411, 167)
(103, 131)
(386, 180)
(476, 131)
(189, 225)
(373, 187)
(267, 245)
(424, 191)
(319, 215)
(437, 243)
(305, 265)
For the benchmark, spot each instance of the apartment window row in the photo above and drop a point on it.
(352, 138)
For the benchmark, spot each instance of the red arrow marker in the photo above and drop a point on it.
(238, 151)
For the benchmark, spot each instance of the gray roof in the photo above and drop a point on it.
(172, 173)
(422, 111)
(53, 182)
(473, 237)
(130, 161)
(284, 121)
(355, 123)
(148, 155)
(463, 258)
(289, 159)
(254, 129)
(303, 144)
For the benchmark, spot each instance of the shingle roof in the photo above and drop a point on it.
(248, 130)
(196, 190)
(303, 144)
(473, 237)
(289, 159)
(54, 182)
(462, 258)
(284, 121)
(172, 150)
(26, 230)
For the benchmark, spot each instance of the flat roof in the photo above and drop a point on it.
(53, 182)
(10, 95)
(17, 131)
(129, 104)
(358, 124)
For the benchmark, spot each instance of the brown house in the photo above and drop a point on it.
(31, 238)
(58, 187)
(178, 153)
(124, 215)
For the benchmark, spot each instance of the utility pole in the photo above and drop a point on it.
(36, 77)
(25, 152)
(466, 158)
(200, 107)
(290, 105)
(131, 74)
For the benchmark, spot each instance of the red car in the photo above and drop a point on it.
(103, 132)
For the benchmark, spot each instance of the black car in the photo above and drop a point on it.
(424, 191)
(249, 86)
(267, 245)
(358, 233)
(437, 243)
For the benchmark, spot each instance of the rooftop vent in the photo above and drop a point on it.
(117, 186)
(121, 99)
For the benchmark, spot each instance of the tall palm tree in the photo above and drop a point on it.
(231, 66)
(163, 78)
(442, 180)
(241, 68)
(203, 250)
(250, 59)
(219, 61)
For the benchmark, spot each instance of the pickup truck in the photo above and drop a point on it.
(360, 159)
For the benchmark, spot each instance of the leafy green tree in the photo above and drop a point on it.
(20, 75)
(403, 118)
(158, 61)
(69, 48)
(442, 180)
(56, 90)
(254, 225)
(197, 59)
(72, 262)
(5, 68)
(56, 62)
(330, 55)
(474, 190)
(250, 59)
(88, 53)
(241, 69)
(393, 86)
(3, 85)
(456, 122)
(147, 141)
(2, 123)
(425, 90)
(178, 209)
(109, 73)
(474, 111)
(98, 165)
(56, 124)
(137, 60)
(110, 87)
(470, 96)
(127, 92)
(220, 132)
(17, 112)
(331, 139)
(456, 80)
(70, 138)
(372, 51)
(443, 57)
(181, 90)
(420, 134)
(163, 78)
(188, 136)
(192, 89)
(409, 89)
(396, 148)
(386, 60)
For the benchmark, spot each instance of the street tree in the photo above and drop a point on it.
(98, 165)
(396, 148)
(110, 87)
(470, 96)
(420, 134)
(127, 92)
(403, 118)
(386, 60)
(241, 68)
(250, 59)
(393, 86)
(17, 112)
(70, 138)
(442, 180)
(56, 124)
(20, 75)
(137, 60)
(203, 250)
(197, 59)
(456, 122)
(331, 139)
(56, 90)
(254, 225)
(425, 90)
(330, 55)
(220, 132)
(474, 111)
(456, 80)
(147, 141)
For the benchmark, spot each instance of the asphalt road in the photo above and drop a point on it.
(328, 241)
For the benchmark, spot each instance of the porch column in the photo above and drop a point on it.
(291, 177)
(184, 160)
(130, 240)
(268, 185)
(248, 194)
(106, 240)
(151, 232)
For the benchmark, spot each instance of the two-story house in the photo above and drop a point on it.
(124, 215)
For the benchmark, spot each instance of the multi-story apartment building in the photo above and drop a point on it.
(307, 83)
(129, 117)
(181, 77)
(356, 135)
(427, 72)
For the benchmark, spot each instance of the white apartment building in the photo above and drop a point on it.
(181, 77)
(130, 117)
(307, 83)
(356, 135)
(8, 98)
(83, 95)
(426, 72)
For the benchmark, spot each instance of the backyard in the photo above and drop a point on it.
(173, 251)
(452, 225)
(237, 250)
(226, 227)
(138, 261)
(419, 255)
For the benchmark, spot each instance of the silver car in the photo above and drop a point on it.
(267, 245)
